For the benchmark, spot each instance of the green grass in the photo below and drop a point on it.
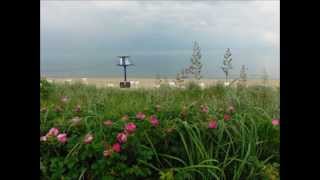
(245, 147)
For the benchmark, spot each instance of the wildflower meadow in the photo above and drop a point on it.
(218, 132)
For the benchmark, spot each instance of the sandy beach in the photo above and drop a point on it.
(147, 82)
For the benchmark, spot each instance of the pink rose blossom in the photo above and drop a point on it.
(213, 124)
(122, 137)
(140, 116)
(226, 117)
(116, 147)
(108, 123)
(88, 138)
(130, 128)
(275, 122)
(62, 138)
(53, 132)
(154, 121)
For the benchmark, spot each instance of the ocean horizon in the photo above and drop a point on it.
(102, 76)
(149, 66)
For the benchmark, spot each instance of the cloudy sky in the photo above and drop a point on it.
(84, 37)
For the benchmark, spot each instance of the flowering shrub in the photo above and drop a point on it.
(116, 147)
(154, 121)
(192, 135)
(213, 124)
(130, 128)
(140, 116)
(62, 138)
(53, 132)
(88, 138)
(122, 137)
(275, 122)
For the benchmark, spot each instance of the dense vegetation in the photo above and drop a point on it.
(166, 133)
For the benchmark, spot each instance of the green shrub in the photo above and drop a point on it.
(181, 147)
(45, 89)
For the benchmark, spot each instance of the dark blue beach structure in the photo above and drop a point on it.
(124, 62)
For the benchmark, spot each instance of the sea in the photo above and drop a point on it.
(144, 66)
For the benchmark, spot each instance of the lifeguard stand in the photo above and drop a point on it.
(124, 62)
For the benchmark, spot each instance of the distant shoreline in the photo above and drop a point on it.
(135, 77)
(144, 82)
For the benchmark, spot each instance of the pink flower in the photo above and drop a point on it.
(122, 137)
(88, 138)
(154, 121)
(226, 117)
(64, 99)
(53, 132)
(130, 128)
(107, 123)
(213, 124)
(116, 147)
(43, 138)
(204, 109)
(275, 122)
(140, 116)
(62, 138)
(107, 153)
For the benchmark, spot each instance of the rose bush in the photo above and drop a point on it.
(195, 134)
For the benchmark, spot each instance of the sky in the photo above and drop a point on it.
(84, 38)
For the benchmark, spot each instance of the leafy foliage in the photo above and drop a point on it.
(226, 64)
(45, 88)
(181, 147)
(195, 68)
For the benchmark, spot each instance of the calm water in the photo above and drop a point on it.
(147, 66)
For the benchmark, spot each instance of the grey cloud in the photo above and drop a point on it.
(90, 30)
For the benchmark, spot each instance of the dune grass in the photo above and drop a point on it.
(181, 147)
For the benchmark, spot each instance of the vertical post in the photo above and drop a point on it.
(125, 73)
(227, 77)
